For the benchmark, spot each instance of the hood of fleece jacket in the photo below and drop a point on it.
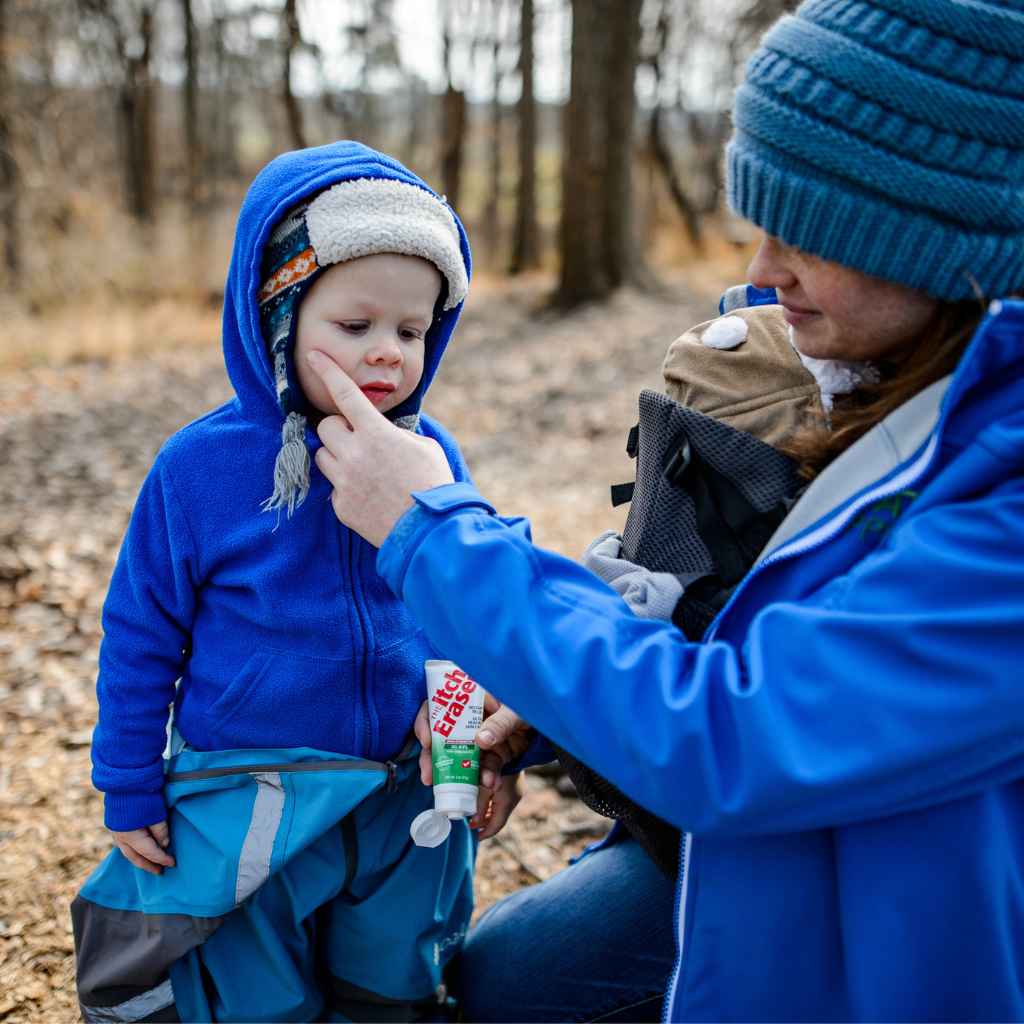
(285, 182)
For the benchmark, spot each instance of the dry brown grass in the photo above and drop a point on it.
(97, 285)
(102, 287)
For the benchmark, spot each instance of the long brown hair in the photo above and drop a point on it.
(934, 355)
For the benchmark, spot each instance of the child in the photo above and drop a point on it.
(278, 881)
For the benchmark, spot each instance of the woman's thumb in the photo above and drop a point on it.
(498, 728)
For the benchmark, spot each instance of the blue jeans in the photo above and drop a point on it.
(596, 942)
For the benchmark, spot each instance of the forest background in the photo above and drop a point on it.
(581, 142)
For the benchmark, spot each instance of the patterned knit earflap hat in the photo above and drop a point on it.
(361, 217)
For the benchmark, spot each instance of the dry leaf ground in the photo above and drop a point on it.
(541, 406)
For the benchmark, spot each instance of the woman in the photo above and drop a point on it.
(845, 748)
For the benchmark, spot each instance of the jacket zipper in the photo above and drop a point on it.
(816, 538)
(364, 709)
(679, 914)
(389, 768)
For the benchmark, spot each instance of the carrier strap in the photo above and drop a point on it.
(726, 520)
(633, 441)
(622, 494)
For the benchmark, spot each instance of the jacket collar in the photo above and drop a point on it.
(997, 345)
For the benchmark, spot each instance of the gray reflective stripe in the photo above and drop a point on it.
(254, 860)
(136, 1008)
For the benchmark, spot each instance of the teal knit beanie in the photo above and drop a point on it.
(888, 136)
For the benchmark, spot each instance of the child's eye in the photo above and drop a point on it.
(410, 334)
(353, 326)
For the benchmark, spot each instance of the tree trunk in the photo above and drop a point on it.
(596, 233)
(492, 210)
(660, 149)
(525, 247)
(293, 112)
(622, 253)
(453, 142)
(135, 106)
(8, 167)
(190, 103)
(453, 123)
(666, 164)
(220, 123)
(417, 112)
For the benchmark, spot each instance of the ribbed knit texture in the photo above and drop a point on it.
(888, 135)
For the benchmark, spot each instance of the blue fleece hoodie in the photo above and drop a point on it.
(281, 631)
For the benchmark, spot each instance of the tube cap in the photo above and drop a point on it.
(430, 828)
(456, 800)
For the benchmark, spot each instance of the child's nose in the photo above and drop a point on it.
(769, 267)
(384, 350)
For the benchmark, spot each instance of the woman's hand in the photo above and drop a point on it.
(502, 737)
(146, 847)
(372, 465)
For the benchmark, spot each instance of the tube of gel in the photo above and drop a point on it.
(456, 705)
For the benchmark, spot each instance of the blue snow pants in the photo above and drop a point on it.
(297, 896)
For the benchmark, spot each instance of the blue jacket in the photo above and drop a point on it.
(845, 749)
(280, 630)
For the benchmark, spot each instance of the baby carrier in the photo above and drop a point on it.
(706, 499)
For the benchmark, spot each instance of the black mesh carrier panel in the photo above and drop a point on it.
(707, 498)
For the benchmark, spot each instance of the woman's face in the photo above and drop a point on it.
(839, 313)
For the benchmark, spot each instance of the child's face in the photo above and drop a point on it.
(370, 315)
(837, 312)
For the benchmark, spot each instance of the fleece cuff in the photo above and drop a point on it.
(428, 507)
(123, 812)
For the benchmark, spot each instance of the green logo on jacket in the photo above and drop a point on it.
(879, 518)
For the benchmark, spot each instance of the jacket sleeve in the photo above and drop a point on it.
(147, 620)
(893, 687)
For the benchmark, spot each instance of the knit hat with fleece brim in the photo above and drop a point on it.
(888, 136)
(360, 217)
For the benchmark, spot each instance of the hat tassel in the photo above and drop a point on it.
(291, 468)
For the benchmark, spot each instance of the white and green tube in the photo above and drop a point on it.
(456, 709)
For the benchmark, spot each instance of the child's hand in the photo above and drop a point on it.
(495, 808)
(421, 729)
(145, 847)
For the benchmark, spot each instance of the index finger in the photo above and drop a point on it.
(347, 398)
